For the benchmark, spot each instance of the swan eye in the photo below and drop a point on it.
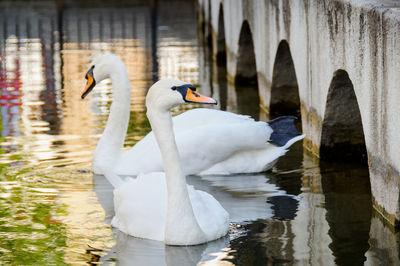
(173, 88)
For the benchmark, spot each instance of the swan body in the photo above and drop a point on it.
(135, 218)
(160, 206)
(226, 143)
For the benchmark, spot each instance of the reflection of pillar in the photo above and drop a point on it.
(219, 62)
(154, 27)
(50, 96)
(311, 242)
(178, 58)
(204, 60)
(219, 69)
(348, 204)
(384, 244)
(218, 74)
(277, 239)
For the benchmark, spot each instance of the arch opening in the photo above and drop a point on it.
(342, 135)
(285, 99)
(246, 84)
(221, 60)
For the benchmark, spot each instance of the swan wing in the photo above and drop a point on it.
(251, 160)
(204, 116)
(213, 219)
(202, 147)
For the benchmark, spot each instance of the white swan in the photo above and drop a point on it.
(161, 206)
(209, 141)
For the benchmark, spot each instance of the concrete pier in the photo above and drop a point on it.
(335, 63)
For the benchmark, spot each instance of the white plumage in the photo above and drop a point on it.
(158, 206)
(209, 142)
(161, 206)
(141, 211)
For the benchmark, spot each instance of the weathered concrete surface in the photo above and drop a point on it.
(361, 38)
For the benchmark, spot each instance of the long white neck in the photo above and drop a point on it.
(181, 225)
(111, 143)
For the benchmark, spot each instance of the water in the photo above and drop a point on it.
(54, 211)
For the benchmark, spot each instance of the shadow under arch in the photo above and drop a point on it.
(246, 84)
(342, 136)
(285, 99)
(221, 60)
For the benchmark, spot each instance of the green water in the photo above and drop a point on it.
(29, 232)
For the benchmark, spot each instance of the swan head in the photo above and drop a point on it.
(168, 93)
(101, 68)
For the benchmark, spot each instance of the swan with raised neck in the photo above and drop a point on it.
(189, 217)
(110, 145)
(230, 143)
(180, 216)
(161, 206)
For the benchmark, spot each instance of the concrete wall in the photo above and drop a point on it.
(359, 38)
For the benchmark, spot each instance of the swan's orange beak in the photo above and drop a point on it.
(192, 96)
(90, 83)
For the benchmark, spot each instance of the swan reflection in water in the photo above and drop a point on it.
(247, 198)
(138, 251)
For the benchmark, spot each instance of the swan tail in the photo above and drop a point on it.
(284, 131)
(293, 140)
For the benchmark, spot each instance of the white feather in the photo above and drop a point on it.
(209, 142)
